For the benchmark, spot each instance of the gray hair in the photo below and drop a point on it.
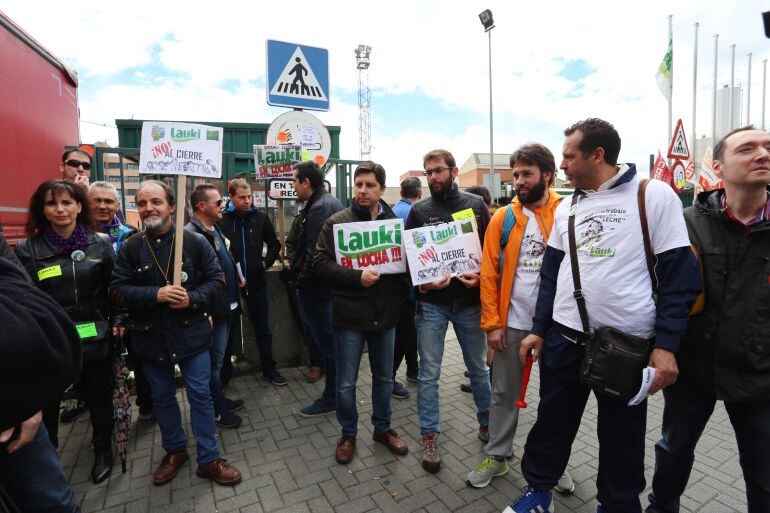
(105, 185)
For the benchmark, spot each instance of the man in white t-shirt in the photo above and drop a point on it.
(618, 292)
(514, 246)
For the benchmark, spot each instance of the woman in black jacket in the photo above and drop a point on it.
(73, 264)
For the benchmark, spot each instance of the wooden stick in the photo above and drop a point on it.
(181, 193)
(281, 231)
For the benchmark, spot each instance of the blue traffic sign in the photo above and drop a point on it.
(297, 76)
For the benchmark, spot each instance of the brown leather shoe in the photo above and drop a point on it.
(314, 374)
(220, 472)
(346, 446)
(391, 439)
(169, 467)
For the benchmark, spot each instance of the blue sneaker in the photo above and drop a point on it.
(532, 502)
(234, 405)
(400, 391)
(319, 407)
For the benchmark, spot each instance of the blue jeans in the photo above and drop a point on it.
(221, 333)
(316, 306)
(349, 346)
(196, 372)
(33, 478)
(685, 415)
(259, 306)
(432, 322)
(621, 430)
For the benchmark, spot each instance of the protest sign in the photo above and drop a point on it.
(170, 148)
(275, 160)
(445, 249)
(375, 245)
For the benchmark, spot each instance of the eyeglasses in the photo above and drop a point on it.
(77, 163)
(429, 172)
(217, 202)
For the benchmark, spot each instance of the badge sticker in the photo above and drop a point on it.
(86, 330)
(463, 214)
(49, 272)
(184, 277)
(78, 255)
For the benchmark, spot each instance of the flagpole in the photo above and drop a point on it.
(694, 90)
(714, 103)
(730, 122)
(671, 97)
(748, 96)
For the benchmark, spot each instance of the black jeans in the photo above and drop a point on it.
(256, 299)
(621, 431)
(685, 415)
(406, 340)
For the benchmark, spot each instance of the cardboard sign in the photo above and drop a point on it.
(445, 249)
(281, 189)
(275, 160)
(376, 245)
(170, 148)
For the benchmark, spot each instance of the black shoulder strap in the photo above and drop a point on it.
(578, 293)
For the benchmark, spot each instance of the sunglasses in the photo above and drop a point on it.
(77, 163)
(217, 202)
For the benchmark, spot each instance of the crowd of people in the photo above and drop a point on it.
(620, 254)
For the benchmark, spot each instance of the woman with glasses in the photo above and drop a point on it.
(73, 264)
(76, 166)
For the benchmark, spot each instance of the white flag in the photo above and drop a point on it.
(663, 76)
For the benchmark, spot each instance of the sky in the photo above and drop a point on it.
(553, 63)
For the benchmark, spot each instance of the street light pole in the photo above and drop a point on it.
(489, 24)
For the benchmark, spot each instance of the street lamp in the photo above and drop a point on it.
(489, 24)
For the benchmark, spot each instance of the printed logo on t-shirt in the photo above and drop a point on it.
(531, 253)
(593, 230)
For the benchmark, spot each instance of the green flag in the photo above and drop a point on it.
(663, 76)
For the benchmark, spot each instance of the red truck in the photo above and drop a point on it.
(38, 118)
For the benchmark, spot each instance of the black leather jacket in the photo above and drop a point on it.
(438, 209)
(79, 287)
(318, 209)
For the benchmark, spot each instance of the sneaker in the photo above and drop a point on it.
(484, 433)
(466, 387)
(532, 501)
(319, 407)
(566, 484)
(399, 391)
(74, 409)
(411, 377)
(229, 421)
(234, 404)
(276, 379)
(431, 461)
(146, 413)
(482, 475)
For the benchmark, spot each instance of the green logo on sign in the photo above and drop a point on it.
(212, 135)
(185, 135)
(369, 241)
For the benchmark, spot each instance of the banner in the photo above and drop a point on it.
(445, 249)
(169, 148)
(708, 179)
(275, 160)
(376, 245)
(660, 170)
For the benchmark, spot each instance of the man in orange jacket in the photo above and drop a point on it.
(507, 310)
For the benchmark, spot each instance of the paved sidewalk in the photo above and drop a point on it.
(288, 461)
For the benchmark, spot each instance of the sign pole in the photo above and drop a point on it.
(181, 193)
(281, 231)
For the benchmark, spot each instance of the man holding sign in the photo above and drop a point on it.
(360, 254)
(448, 299)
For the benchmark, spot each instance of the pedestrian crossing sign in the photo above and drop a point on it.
(678, 148)
(297, 76)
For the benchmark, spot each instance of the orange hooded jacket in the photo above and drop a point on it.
(496, 290)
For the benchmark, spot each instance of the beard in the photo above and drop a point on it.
(154, 223)
(535, 194)
(444, 187)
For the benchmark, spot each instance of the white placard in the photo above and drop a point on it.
(170, 148)
(376, 245)
(281, 189)
(445, 249)
(307, 135)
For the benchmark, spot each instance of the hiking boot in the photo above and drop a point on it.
(565, 485)
(314, 374)
(482, 475)
(346, 447)
(392, 441)
(532, 500)
(399, 391)
(230, 420)
(319, 407)
(431, 461)
(74, 409)
(484, 433)
(276, 379)
(234, 404)
(220, 472)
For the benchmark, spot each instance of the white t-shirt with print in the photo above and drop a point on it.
(613, 268)
(527, 279)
